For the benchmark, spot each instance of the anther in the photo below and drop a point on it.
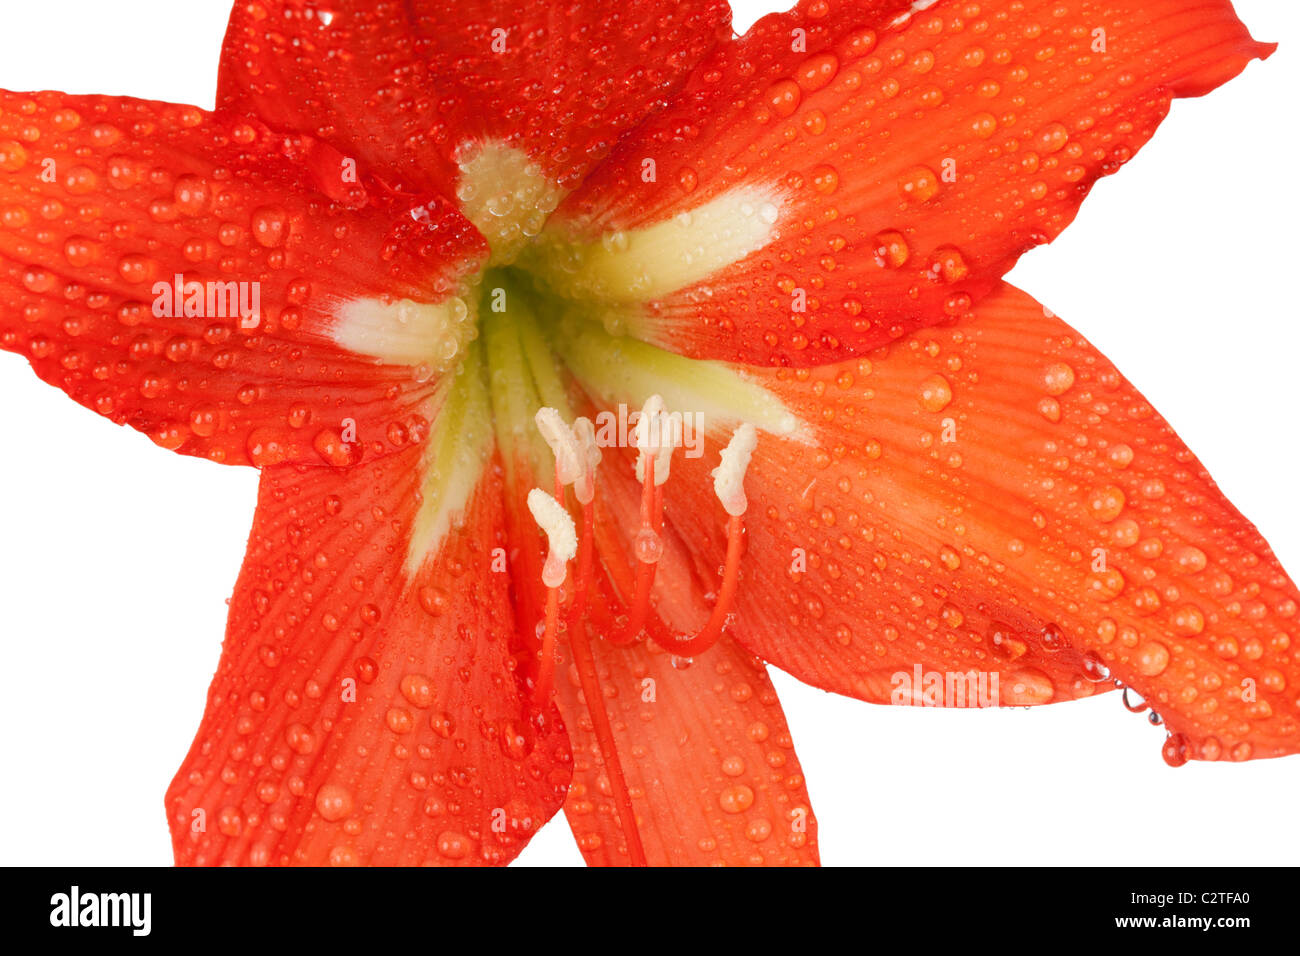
(584, 433)
(561, 535)
(569, 458)
(658, 435)
(650, 435)
(729, 476)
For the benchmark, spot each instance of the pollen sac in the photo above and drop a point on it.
(584, 433)
(561, 535)
(729, 476)
(658, 433)
(569, 456)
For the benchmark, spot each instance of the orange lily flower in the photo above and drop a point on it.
(592, 356)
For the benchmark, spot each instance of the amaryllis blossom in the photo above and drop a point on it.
(592, 356)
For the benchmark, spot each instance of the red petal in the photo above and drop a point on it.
(436, 760)
(994, 496)
(855, 113)
(402, 85)
(101, 198)
(708, 759)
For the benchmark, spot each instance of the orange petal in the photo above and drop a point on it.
(906, 158)
(704, 746)
(105, 201)
(708, 758)
(362, 714)
(403, 86)
(993, 498)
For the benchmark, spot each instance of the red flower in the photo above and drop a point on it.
(408, 227)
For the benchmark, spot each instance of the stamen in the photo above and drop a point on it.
(657, 435)
(561, 535)
(584, 433)
(712, 630)
(586, 552)
(729, 484)
(569, 464)
(669, 430)
(648, 548)
(729, 476)
(645, 433)
(562, 542)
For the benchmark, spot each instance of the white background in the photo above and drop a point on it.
(116, 557)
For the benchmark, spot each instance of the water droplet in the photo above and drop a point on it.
(13, 156)
(1174, 750)
(825, 179)
(919, 184)
(1058, 378)
(1151, 658)
(1094, 668)
(891, 249)
(270, 226)
(1132, 701)
(1053, 138)
(418, 689)
(333, 802)
(453, 845)
(736, 799)
(435, 601)
(783, 97)
(647, 546)
(936, 393)
(1106, 503)
(817, 71)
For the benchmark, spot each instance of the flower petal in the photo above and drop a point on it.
(404, 86)
(847, 172)
(993, 497)
(703, 743)
(708, 758)
(105, 201)
(362, 712)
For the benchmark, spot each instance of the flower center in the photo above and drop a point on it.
(552, 320)
(549, 306)
(528, 342)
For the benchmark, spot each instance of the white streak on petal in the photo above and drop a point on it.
(640, 265)
(454, 460)
(405, 332)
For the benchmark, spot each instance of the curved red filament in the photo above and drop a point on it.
(712, 630)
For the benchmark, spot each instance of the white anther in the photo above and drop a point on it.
(729, 476)
(584, 433)
(647, 424)
(668, 429)
(561, 535)
(568, 453)
(657, 433)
